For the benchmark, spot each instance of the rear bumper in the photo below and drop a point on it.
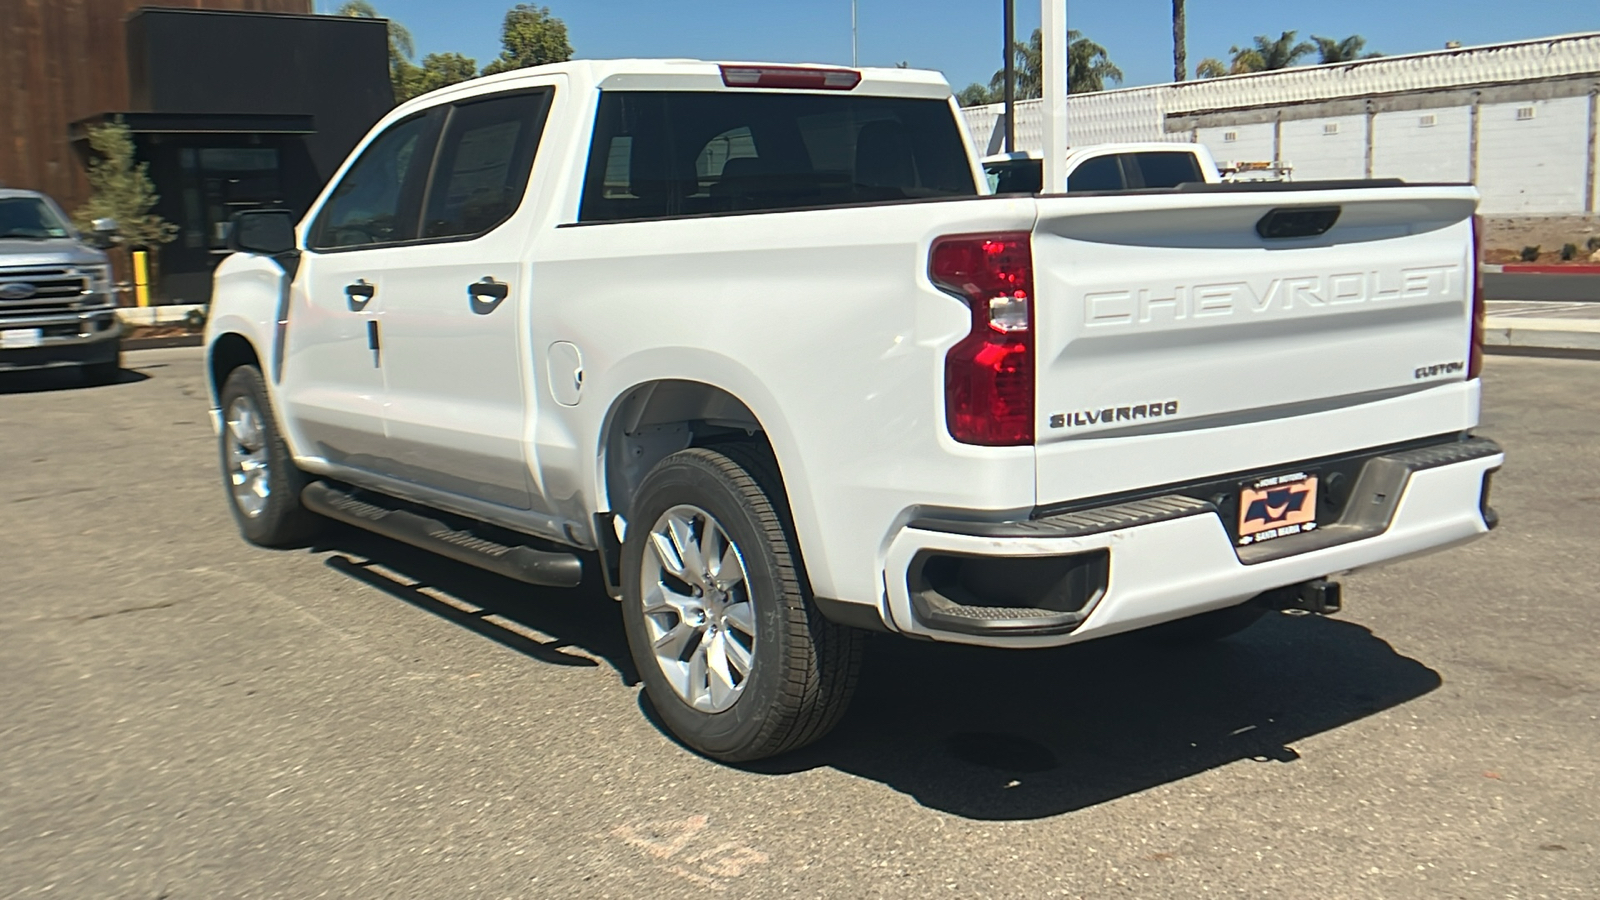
(68, 339)
(1168, 557)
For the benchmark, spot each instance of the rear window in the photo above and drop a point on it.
(1101, 173)
(1133, 171)
(659, 154)
(1166, 170)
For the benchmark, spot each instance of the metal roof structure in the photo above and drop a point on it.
(1169, 111)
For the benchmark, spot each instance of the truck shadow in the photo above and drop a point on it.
(979, 733)
(997, 735)
(37, 381)
(541, 622)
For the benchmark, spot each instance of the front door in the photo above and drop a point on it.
(457, 353)
(332, 388)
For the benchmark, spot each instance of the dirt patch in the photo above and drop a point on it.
(1505, 237)
(143, 332)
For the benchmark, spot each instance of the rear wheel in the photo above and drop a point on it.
(263, 484)
(735, 657)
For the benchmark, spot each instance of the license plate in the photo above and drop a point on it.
(1276, 507)
(21, 337)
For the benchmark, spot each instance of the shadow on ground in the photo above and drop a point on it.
(989, 734)
(983, 734)
(537, 621)
(64, 378)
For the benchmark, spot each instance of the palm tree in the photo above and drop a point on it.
(1347, 50)
(1180, 64)
(1088, 67)
(1210, 67)
(1244, 61)
(1281, 53)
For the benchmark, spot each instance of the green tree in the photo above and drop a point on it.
(531, 37)
(120, 188)
(401, 48)
(976, 94)
(1088, 67)
(439, 70)
(1210, 67)
(1347, 50)
(1269, 54)
(1241, 62)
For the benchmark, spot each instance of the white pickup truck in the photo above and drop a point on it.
(1104, 168)
(754, 342)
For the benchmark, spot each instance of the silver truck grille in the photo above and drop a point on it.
(53, 290)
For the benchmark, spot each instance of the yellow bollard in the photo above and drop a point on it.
(141, 277)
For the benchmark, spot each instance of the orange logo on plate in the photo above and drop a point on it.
(1292, 502)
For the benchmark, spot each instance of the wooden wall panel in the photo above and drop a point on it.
(63, 60)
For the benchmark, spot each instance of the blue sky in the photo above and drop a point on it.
(963, 39)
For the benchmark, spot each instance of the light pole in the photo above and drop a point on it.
(1054, 27)
(1009, 92)
(855, 56)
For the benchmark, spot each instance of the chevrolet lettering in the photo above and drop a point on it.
(1275, 297)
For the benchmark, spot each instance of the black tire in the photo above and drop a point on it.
(107, 372)
(804, 666)
(281, 521)
(1206, 627)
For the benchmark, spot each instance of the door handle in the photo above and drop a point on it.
(487, 294)
(358, 295)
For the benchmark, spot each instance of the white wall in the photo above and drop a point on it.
(1253, 143)
(1403, 147)
(1538, 165)
(1316, 154)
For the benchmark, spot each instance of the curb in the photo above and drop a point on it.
(1536, 269)
(1505, 334)
(158, 315)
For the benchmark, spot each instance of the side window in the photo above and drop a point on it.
(1166, 170)
(376, 201)
(483, 164)
(1102, 173)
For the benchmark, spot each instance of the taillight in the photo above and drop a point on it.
(799, 77)
(1475, 350)
(988, 376)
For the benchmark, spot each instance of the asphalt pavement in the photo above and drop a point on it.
(186, 716)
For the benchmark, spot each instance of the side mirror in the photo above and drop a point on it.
(269, 232)
(102, 233)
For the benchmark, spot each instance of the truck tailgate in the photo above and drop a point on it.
(1176, 342)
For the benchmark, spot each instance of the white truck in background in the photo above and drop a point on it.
(754, 341)
(1099, 168)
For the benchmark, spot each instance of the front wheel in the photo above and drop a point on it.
(735, 658)
(106, 372)
(263, 483)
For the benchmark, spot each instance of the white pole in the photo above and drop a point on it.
(1053, 15)
(855, 56)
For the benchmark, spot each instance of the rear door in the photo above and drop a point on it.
(1176, 341)
(456, 344)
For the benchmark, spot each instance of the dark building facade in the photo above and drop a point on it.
(232, 108)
